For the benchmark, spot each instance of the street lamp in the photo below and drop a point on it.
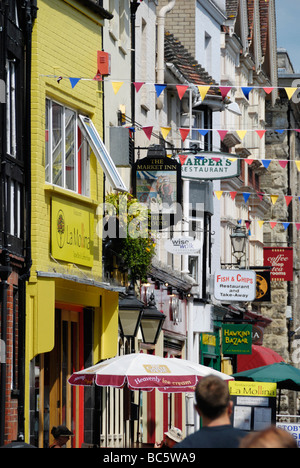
(151, 322)
(130, 313)
(238, 241)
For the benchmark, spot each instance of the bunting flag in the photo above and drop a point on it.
(203, 90)
(98, 77)
(249, 161)
(286, 225)
(261, 133)
(290, 92)
(288, 200)
(224, 91)
(241, 134)
(159, 88)
(138, 86)
(182, 158)
(280, 131)
(184, 133)
(218, 194)
(283, 164)
(181, 89)
(273, 224)
(266, 163)
(246, 196)
(268, 90)
(233, 195)
(222, 134)
(246, 91)
(165, 131)
(274, 198)
(148, 132)
(298, 165)
(297, 226)
(261, 223)
(74, 81)
(203, 132)
(116, 86)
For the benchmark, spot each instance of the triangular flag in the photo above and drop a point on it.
(184, 133)
(248, 224)
(273, 224)
(298, 226)
(181, 89)
(138, 86)
(98, 77)
(165, 131)
(285, 225)
(288, 200)
(74, 81)
(222, 134)
(290, 92)
(274, 198)
(203, 90)
(266, 163)
(241, 133)
(203, 132)
(246, 196)
(218, 194)
(283, 164)
(239, 221)
(159, 88)
(148, 132)
(182, 158)
(246, 91)
(216, 159)
(116, 86)
(224, 91)
(280, 131)
(268, 90)
(249, 161)
(260, 195)
(260, 223)
(233, 195)
(298, 165)
(232, 159)
(261, 133)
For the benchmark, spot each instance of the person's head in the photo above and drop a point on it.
(213, 398)
(61, 434)
(271, 437)
(173, 436)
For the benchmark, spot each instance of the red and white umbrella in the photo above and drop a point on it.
(145, 372)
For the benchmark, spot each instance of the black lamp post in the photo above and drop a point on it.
(238, 241)
(151, 322)
(130, 313)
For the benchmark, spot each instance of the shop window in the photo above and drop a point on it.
(66, 151)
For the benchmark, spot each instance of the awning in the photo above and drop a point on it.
(260, 356)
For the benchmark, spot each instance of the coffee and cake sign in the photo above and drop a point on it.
(281, 261)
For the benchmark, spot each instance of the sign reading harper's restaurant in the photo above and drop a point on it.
(209, 166)
(281, 261)
(72, 228)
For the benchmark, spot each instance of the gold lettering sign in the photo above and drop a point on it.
(159, 369)
(72, 228)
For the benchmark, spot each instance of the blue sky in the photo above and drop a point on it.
(288, 29)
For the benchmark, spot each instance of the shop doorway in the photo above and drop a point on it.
(62, 403)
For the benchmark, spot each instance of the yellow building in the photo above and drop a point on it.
(71, 314)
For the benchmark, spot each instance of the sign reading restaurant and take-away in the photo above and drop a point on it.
(235, 285)
(209, 166)
(281, 261)
(72, 228)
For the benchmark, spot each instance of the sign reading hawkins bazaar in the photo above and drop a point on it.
(209, 166)
(72, 228)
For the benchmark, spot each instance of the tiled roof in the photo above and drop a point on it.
(192, 71)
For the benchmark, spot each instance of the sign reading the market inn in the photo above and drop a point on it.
(209, 166)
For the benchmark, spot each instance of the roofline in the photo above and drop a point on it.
(96, 8)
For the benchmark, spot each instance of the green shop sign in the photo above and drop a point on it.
(236, 339)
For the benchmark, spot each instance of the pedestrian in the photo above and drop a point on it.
(272, 437)
(214, 406)
(61, 436)
(173, 436)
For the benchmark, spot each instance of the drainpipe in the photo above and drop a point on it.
(160, 67)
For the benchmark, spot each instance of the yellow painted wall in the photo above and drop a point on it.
(65, 43)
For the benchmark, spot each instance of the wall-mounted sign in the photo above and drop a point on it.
(263, 286)
(236, 339)
(281, 260)
(183, 245)
(157, 183)
(209, 166)
(235, 285)
(72, 232)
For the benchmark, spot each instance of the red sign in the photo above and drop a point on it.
(281, 259)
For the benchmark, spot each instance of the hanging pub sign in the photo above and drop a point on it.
(183, 245)
(157, 183)
(235, 285)
(263, 286)
(281, 261)
(209, 166)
